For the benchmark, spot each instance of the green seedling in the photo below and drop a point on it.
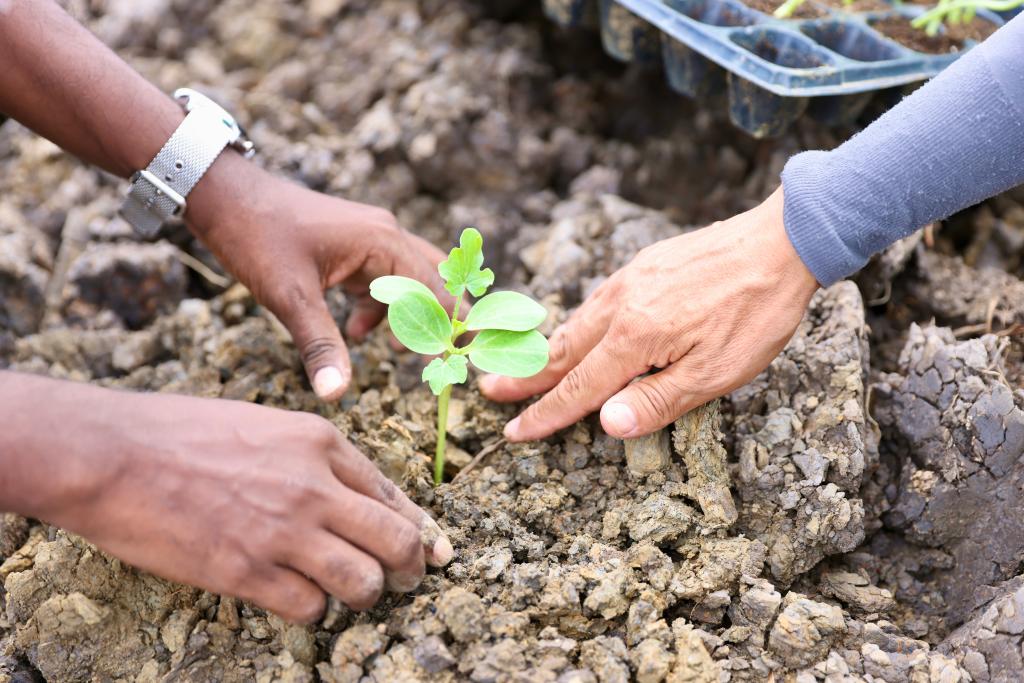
(950, 12)
(789, 8)
(959, 12)
(506, 342)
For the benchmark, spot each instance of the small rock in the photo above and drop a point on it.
(355, 645)
(432, 654)
(651, 660)
(648, 454)
(137, 349)
(757, 606)
(503, 658)
(227, 613)
(604, 656)
(22, 285)
(135, 281)
(660, 518)
(175, 631)
(693, 663)
(813, 465)
(711, 608)
(855, 591)
(462, 612)
(805, 630)
(13, 533)
(608, 598)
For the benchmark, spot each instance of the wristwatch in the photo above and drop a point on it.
(160, 191)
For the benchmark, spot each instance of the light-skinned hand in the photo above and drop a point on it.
(710, 309)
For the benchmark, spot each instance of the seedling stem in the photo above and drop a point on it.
(442, 433)
(506, 342)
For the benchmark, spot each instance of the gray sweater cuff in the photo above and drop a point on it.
(955, 141)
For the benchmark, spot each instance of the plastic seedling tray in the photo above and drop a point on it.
(570, 13)
(772, 70)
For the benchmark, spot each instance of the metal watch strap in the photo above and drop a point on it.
(159, 192)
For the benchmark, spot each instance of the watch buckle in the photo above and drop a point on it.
(161, 189)
(244, 146)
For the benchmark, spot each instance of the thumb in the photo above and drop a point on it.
(319, 343)
(649, 403)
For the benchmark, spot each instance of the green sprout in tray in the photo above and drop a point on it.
(951, 12)
(506, 342)
(955, 12)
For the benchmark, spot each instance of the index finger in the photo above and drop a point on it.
(357, 472)
(570, 344)
(603, 372)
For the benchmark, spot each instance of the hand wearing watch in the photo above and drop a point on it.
(160, 191)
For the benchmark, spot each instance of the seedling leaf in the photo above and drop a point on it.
(420, 323)
(506, 311)
(461, 271)
(390, 288)
(513, 354)
(442, 372)
(507, 343)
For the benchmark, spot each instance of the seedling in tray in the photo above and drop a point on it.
(787, 9)
(959, 12)
(506, 343)
(950, 12)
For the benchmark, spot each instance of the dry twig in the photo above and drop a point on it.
(484, 452)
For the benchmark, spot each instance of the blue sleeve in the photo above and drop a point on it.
(954, 142)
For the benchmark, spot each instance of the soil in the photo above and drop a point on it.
(852, 514)
(978, 30)
(807, 10)
(900, 30)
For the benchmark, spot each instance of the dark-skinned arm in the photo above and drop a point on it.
(216, 505)
(285, 242)
(265, 504)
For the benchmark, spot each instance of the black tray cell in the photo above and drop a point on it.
(852, 41)
(627, 37)
(761, 113)
(690, 73)
(717, 12)
(570, 13)
(782, 48)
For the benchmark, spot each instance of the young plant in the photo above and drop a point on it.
(506, 342)
(949, 12)
(789, 8)
(954, 12)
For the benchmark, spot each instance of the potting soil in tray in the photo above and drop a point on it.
(827, 60)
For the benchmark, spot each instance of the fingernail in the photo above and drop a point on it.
(487, 383)
(402, 583)
(619, 418)
(443, 551)
(327, 381)
(512, 429)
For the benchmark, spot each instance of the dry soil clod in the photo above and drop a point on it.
(648, 454)
(698, 441)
